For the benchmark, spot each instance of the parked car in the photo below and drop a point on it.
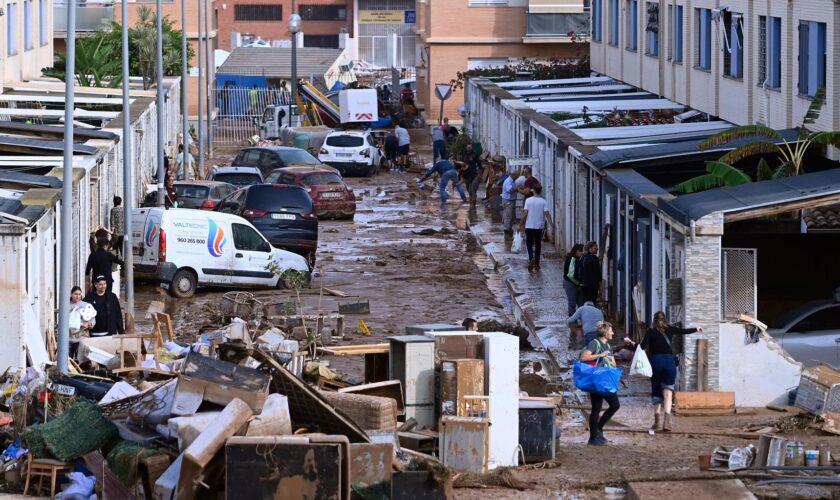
(202, 194)
(810, 333)
(352, 152)
(330, 195)
(267, 158)
(238, 176)
(283, 213)
(186, 248)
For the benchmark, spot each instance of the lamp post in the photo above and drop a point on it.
(294, 29)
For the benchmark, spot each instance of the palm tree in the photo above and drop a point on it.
(791, 154)
(97, 64)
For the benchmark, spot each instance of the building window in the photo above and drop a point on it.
(322, 41)
(632, 24)
(324, 12)
(11, 48)
(258, 12)
(774, 53)
(596, 21)
(27, 24)
(42, 22)
(614, 22)
(678, 33)
(652, 29)
(704, 38)
(733, 44)
(811, 57)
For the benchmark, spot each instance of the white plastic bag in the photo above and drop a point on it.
(516, 246)
(640, 364)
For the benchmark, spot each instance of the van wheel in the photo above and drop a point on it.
(183, 284)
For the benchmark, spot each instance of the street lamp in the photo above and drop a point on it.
(294, 29)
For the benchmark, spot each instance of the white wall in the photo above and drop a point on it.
(760, 373)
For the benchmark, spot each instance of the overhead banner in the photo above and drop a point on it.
(381, 16)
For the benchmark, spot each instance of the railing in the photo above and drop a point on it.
(90, 16)
(556, 25)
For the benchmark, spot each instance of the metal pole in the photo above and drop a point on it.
(160, 90)
(294, 69)
(67, 236)
(185, 127)
(208, 57)
(128, 173)
(200, 95)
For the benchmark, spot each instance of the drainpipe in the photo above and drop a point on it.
(693, 225)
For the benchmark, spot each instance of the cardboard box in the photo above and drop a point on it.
(459, 378)
(219, 382)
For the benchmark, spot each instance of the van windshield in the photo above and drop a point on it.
(275, 199)
(345, 141)
(238, 179)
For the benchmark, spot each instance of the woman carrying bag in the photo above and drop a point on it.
(664, 362)
(598, 353)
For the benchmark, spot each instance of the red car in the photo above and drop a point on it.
(330, 195)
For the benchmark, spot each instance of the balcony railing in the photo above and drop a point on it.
(557, 25)
(90, 16)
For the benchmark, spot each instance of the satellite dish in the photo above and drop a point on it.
(462, 110)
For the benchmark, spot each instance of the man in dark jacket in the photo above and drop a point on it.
(109, 320)
(590, 272)
(100, 261)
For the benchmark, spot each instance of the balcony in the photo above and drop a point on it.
(556, 21)
(90, 17)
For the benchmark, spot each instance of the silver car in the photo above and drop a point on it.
(810, 333)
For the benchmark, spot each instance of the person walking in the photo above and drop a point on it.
(391, 146)
(181, 165)
(109, 320)
(439, 144)
(100, 263)
(117, 225)
(448, 174)
(534, 217)
(80, 319)
(657, 343)
(470, 174)
(509, 199)
(588, 317)
(403, 145)
(590, 272)
(571, 285)
(599, 353)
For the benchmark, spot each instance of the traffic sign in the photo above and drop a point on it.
(410, 17)
(443, 91)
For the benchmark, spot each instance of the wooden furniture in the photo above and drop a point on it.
(44, 467)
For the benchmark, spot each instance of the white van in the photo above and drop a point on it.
(186, 248)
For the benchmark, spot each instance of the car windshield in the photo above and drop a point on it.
(322, 178)
(275, 199)
(787, 318)
(298, 157)
(345, 141)
(238, 179)
(191, 191)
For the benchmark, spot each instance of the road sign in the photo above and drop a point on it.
(443, 91)
(410, 17)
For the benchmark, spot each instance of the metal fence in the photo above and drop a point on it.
(739, 283)
(237, 109)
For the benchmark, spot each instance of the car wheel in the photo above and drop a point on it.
(183, 284)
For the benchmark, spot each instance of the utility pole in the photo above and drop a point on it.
(128, 171)
(67, 237)
(294, 28)
(160, 123)
(200, 95)
(185, 127)
(210, 60)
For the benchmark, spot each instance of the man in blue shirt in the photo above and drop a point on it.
(509, 192)
(589, 317)
(447, 173)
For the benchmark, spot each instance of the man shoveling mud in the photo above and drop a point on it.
(448, 174)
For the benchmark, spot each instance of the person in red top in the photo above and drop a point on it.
(527, 189)
(171, 194)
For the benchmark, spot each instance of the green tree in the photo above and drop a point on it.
(98, 63)
(791, 155)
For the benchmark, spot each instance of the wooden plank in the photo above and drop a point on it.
(705, 400)
(702, 365)
(355, 350)
(336, 293)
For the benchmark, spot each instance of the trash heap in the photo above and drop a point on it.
(256, 412)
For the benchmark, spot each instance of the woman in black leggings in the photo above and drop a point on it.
(598, 351)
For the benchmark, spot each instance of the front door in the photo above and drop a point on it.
(251, 257)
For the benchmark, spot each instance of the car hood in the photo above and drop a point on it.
(289, 260)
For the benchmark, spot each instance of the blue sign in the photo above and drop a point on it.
(410, 16)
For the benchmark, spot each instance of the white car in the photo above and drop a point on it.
(352, 152)
(184, 249)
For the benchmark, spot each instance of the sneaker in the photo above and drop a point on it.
(602, 436)
(530, 265)
(597, 441)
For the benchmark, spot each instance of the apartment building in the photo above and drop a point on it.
(459, 35)
(26, 39)
(745, 61)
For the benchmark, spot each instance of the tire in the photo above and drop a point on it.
(183, 284)
(310, 259)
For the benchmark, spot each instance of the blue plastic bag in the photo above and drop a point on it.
(600, 379)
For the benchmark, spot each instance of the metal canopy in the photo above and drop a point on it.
(589, 97)
(648, 131)
(532, 84)
(572, 90)
(28, 146)
(788, 193)
(604, 106)
(31, 180)
(19, 128)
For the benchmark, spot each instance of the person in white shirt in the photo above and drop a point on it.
(404, 145)
(179, 162)
(533, 222)
(509, 198)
